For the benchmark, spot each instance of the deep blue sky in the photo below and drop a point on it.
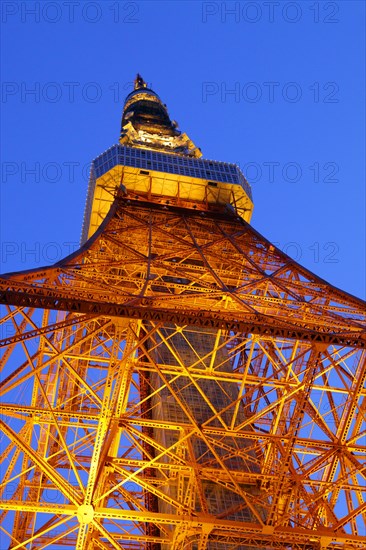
(295, 124)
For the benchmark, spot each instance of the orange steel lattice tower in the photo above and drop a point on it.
(178, 382)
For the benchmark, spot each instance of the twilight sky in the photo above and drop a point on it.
(276, 87)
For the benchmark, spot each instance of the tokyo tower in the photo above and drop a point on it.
(178, 382)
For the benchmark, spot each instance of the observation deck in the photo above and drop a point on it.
(165, 178)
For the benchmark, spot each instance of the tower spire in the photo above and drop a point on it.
(146, 124)
(139, 82)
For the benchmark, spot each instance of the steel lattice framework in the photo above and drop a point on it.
(180, 383)
(83, 452)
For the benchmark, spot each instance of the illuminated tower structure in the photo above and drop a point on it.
(178, 382)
